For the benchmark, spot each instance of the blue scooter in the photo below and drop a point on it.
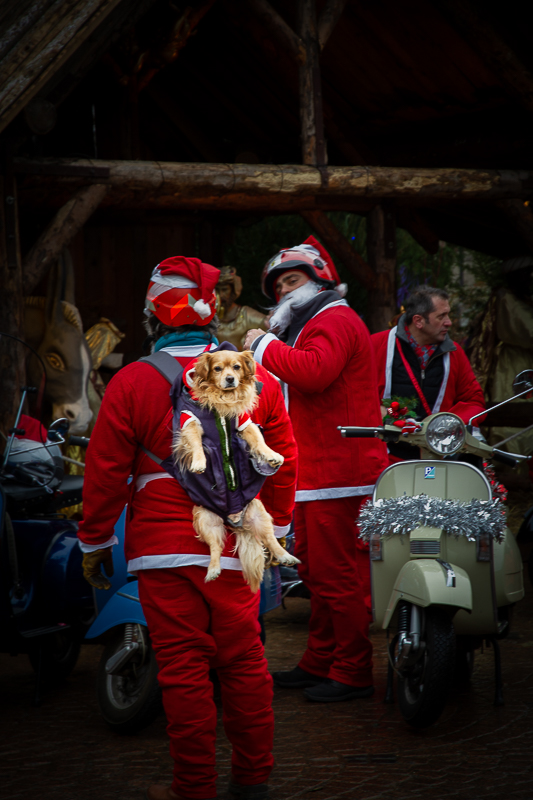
(129, 697)
(45, 604)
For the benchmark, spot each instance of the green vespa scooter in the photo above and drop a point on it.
(445, 570)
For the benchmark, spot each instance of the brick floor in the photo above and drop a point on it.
(360, 749)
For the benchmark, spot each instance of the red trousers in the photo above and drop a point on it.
(195, 626)
(336, 569)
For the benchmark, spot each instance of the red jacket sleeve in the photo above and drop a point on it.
(467, 399)
(109, 463)
(279, 490)
(326, 347)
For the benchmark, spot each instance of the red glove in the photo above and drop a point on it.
(408, 426)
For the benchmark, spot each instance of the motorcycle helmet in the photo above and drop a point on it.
(182, 292)
(309, 257)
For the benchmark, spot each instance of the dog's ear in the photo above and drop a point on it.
(202, 367)
(248, 363)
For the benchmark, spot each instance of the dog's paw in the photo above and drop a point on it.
(212, 574)
(198, 466)
(288, 559)
(276, 460)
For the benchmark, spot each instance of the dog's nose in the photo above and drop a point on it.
(230, 380)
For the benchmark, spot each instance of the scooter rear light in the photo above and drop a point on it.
(375, 547)
(483, 547)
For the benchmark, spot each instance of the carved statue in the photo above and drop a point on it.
(54, 329)
(235, 320)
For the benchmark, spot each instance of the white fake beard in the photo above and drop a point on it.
(281, 318)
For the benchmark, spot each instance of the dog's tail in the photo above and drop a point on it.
(252, 557)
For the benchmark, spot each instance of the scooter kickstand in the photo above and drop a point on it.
(498, 682)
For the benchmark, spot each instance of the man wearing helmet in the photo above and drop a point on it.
(320, 349)
(194, 626)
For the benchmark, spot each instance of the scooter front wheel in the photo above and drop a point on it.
(423, 686)
(130, 698)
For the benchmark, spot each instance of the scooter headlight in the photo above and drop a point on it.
(445, 434)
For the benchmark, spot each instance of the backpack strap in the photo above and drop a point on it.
(165, 364)
(169, 368)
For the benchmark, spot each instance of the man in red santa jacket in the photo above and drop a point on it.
(322, 354)
(417, 359)
(194, 626)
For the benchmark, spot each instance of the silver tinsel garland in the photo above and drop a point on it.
(401, 515)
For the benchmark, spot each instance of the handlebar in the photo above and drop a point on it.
(504, 458)
(358, 433)
(79, 441)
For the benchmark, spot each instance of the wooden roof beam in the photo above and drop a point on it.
(494, 50)
(193, 185)
(44, 48)
(60, 232)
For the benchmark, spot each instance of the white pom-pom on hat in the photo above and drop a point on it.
(202, 309)
(342, 289)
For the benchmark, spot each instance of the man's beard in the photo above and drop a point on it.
(281, 318)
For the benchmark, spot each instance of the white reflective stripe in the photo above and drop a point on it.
(391, 342)
(174, 560)
(262, 346)
(281, 530)
(142, 480)
(440, 397)
(90, 548)
(244, 424)
(305, 495)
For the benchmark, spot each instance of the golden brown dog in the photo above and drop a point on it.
(224, 382)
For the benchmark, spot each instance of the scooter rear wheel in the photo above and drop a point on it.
(131, 700)
(423, 686)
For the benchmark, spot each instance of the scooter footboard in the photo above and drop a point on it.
(427, 582)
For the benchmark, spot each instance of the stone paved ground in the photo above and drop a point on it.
(360, 749)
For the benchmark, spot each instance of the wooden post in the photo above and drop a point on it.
(12, 354)
(340, 247)
(381, 253)
(59, 233)
(311, 116)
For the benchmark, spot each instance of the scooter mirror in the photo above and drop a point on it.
(58, 429)
(523, 382)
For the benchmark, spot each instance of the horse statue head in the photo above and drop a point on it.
(53, 327)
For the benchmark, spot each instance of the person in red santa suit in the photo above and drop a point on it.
(417, 360)
(194, 626)
(320, 349)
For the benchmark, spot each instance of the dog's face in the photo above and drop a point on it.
(225, 369)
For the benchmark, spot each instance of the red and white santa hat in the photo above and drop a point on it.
(182, 292)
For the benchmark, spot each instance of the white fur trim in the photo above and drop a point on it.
(190, 418)
(202, 309)
(391, 343)
(262, 346)
(90, 548)
(440, 398)
(342, 289)
(244, 424)
(281, 530)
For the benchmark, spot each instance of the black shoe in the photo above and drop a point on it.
(296, 678)
(257, 792)
(333, 692)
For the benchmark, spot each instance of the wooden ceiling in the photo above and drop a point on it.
(419, 84)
